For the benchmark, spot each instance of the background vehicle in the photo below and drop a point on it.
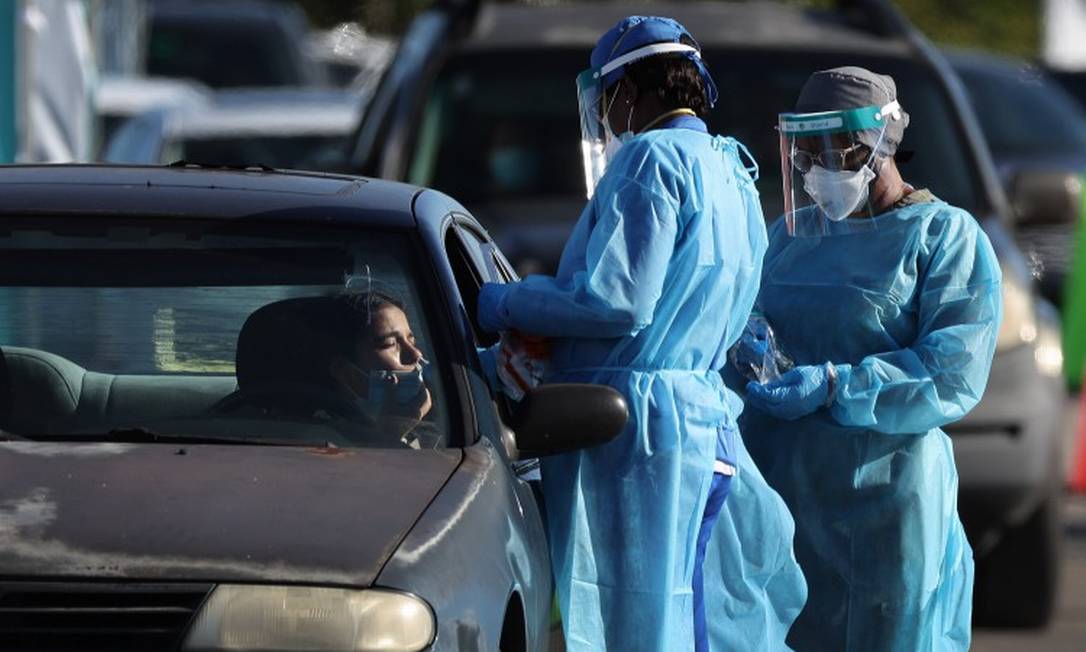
(150, 496)
(1037, 135)
(230, 44)
(287, 128)
(462, 92)
(118, 99)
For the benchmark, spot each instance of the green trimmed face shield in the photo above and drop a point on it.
(828, 162)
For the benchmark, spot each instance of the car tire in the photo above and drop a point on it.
(1016, 582)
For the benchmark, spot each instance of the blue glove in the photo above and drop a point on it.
(492, 312)
(796, 393)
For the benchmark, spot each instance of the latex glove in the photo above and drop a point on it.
(796, 393)
(522, 362)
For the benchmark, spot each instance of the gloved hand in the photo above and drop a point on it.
(796, 393)
(522, 362)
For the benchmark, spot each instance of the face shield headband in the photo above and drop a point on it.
(827, 160)
(593, 102)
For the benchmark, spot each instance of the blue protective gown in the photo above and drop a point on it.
(754, 588)
(909, 312)
(655, 284)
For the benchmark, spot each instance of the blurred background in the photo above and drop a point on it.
(477, 99)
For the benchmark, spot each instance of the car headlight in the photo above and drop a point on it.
(1019, 322)
(283, 618)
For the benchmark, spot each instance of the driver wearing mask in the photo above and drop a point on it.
(348, 359)
(379, 365)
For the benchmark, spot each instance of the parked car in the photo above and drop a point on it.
(252, 43)
(178, 474)
(119, 98)
(1037, 135)
(288, 128)
(479, 80)
(351, 57)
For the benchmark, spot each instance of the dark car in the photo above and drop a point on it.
(230, 44)
(472, 81)
(1037, 135)
(177, 473)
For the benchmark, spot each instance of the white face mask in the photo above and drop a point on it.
(615, 143)
(838, 192)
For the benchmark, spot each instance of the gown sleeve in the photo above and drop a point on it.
(626, 253)
(942, 375)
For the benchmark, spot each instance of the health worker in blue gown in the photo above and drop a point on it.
(655, 284)
(887, 300)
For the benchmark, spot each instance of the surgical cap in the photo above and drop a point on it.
(635, 32)
(852, 87)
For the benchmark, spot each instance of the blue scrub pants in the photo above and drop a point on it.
(718, 491)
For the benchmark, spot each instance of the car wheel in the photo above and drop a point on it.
(1016, 581)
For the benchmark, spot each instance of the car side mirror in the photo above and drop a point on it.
(564, 417)
(1046, 197)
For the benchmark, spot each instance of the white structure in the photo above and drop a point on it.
(1064, 36)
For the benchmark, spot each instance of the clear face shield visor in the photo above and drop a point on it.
(594, 103)
(828, 161)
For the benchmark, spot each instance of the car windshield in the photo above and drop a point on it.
(1022, 112)
(241, 331)
(490, 131)
(222, 55)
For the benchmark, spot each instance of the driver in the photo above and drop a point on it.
(350, 357)
(379, 364)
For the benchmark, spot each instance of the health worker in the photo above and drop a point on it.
(888, 302)
(655, 284)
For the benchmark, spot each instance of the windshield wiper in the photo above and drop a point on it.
(139, 435)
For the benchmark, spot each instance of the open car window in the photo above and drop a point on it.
(242, 331)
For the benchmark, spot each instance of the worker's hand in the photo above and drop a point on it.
(796, 393)
(522, 362)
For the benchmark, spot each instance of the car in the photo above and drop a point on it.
(1036, 133)
(118, 98)
(480, 79)
(281, 128)
(179, 475)
(352, 57)
(241, 43)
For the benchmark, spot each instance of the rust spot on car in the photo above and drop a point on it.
(330, 451)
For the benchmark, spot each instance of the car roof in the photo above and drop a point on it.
(268, 112)
(770, 25)
(190, 192)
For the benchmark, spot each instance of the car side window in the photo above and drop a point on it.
(469, 276)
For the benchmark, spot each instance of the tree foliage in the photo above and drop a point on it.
(1009, 26)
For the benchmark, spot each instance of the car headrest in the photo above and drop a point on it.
(5, 391)
(292, 341)
(41, 389)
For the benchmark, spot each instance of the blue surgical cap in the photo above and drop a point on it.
(638, 31)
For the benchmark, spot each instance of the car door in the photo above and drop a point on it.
(476, 260)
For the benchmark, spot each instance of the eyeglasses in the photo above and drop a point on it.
(831, 159)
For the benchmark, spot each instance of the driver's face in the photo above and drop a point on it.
(390, 345)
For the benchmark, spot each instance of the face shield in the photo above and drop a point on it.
(594, 102)
(828, 161)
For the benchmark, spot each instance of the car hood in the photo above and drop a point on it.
(210, 513)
